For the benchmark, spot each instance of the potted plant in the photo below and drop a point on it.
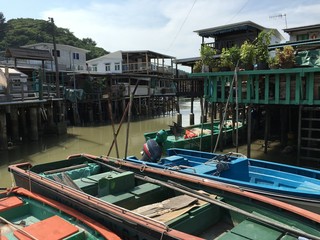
(262, 53)
(286, 57)
(209, 58)
(273, 62)
(197, 67)
(247, 55)
(230, 57)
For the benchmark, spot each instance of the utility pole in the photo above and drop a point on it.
(55, 57)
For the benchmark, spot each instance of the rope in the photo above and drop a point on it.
(143, 167)
(221, 166)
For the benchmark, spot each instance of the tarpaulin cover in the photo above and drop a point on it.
(309, 58)
(74, 94)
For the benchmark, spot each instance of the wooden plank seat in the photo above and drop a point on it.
(10, 202)
(136, 196)
(106, 183)
(245, 230)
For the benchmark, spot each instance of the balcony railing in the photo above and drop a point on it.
(147, 67)
(280, 86)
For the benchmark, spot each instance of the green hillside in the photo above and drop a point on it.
(24, 31)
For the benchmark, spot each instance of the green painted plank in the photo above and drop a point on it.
(266, 89)
(288, 89)
(256, 86)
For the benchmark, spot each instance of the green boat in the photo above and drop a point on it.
(195, 137)
(25, 215)
(139, 207)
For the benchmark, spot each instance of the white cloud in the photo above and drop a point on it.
(163, 26)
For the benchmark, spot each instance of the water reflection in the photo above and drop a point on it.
(94, 140)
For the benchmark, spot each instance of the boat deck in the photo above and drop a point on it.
(20, 219)
(174, 209)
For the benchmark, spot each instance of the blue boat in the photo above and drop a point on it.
(296, 185)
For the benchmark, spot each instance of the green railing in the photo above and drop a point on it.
(278, 86)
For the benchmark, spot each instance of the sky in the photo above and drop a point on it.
(163, 26)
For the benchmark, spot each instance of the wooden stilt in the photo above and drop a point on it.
(191, 118)
(3, 131)
(213, 106)
(266, 130)
(221, 123)
(33, 135)
(15, 125)
(249, 131)
(179, 119)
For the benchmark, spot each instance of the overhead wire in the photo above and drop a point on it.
(239, 11)
(184, 21)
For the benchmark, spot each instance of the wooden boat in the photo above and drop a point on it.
(26, 215)
(195, 137)
(299, 186)
(140, 207)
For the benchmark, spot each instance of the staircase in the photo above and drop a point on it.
(309, 136)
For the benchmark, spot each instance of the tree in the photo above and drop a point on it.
(24, 31)
(2, 19)
(2, 26)
(89, 41)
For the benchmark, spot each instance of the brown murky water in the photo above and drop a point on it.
(94, 140)
(97, 140)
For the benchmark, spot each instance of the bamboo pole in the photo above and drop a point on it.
(129, 117)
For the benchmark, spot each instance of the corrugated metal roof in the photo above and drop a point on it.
(212, 32)
(295, 29)
(26, 53)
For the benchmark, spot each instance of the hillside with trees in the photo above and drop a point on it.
(23, 31)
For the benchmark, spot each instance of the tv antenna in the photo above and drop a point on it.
(280, 16)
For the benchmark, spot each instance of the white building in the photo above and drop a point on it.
(69, 58)
(142, 62)
(109, 63)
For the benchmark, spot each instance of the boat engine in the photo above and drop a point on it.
(152, 149)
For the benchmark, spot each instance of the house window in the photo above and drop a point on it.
(117, 66)
(76, 56)
(107, 65)
(301, 37)
(94, 68)
(58, 53)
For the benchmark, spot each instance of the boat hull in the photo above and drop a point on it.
(292, 184)
(126, 227)
(196, 137)
(224, 202)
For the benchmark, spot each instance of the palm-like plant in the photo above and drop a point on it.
(262, 42)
